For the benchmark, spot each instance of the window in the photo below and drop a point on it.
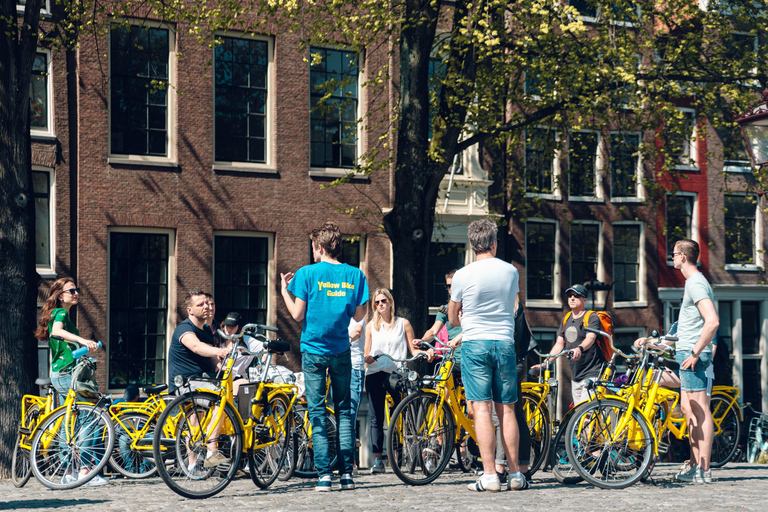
(539, 160)
(540, 255)
(582, 162)
(682, 139)
(42, 188)
(735, 156)
(624, 337)
(535, 86)
(588, 10)
(585, 238)
(241, 275)
(679, 220)
(626, 262)
(333, 121)
(742, 47)
(740, 213)
(139, 100)
(443, 257)
(352, 251)
(624, 164)
(40, 94)
(138, 307)
(241, 71)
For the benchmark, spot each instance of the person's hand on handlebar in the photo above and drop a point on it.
(369, 359)
(639, 342)
(93, 346)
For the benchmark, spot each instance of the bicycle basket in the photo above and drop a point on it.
(82, 379)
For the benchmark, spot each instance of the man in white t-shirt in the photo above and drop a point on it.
(485, 291)
(357, 350)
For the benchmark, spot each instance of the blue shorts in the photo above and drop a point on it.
(489, 371)
(694, 379)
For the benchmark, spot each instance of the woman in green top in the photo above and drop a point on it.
(54, 321)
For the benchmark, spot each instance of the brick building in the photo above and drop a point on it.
(163, 165)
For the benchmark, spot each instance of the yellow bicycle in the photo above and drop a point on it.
(208, 435)
(33, 410)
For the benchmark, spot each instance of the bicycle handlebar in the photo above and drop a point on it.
(80, 352)
(417, 356)
(610, 340)
(564, 352)
(422, 344)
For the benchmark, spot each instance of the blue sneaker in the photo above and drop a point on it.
(347, 484)
(324, 484)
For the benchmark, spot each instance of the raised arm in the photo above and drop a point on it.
(296, 307)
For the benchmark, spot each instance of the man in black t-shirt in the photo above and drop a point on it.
(586, 357)
(192, 352)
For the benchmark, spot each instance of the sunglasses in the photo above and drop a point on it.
(71, 291)
(571, 295)
(447, 287)
(382, 301)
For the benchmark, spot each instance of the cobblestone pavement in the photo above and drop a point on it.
(735, 487)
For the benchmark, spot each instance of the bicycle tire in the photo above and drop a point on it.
(21, 468)
(129, 462)
(52, 457)
(540, 428)
(465, 462)
(621, 458)
(562, 468)
(265, 464)
(726, 442)
(420, 438)
(184, 429)
(305, 451)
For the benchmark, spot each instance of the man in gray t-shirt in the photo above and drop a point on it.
(697, 325)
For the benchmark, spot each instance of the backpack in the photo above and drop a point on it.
(606, 325)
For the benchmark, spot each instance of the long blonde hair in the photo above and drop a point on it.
(376, 315)
(57, 288)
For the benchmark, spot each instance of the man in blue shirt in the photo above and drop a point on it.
(325, 296)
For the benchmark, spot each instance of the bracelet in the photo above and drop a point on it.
(580, 348)
(694, 354)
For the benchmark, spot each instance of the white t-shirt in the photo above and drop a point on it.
(243, 361)
(357, 347)
(392, 342)
(487, 290)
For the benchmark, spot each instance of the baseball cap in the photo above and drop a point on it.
(232, 319)
(578, 289)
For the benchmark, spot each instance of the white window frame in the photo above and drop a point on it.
(337, 172)
(599, 268)
(557, 301)
(599, 196)
(692, 154)
(170, 320)
(49, 272)
(640, 194)
(45, 8)
(694, 220)
(170, 160)
(598, 16)
(270, 166)
(555, 178)
(759, 254)
(642, 300)
(270, 264)
(49, 132)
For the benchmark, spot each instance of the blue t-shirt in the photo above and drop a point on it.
(332, 293)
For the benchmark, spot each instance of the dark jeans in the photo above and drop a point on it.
(524, 446)
(377, 387)
(316, 368)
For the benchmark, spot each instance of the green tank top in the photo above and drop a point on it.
(61, 354)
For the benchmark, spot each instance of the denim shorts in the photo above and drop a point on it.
(694, 379)
(489, 371)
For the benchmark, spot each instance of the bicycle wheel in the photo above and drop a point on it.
(305, 451)
(604, 453)
(727, 431)
(68, 441)
(466, 460)
(540, 428)
(21, 469)
(273, 437)
(420, 438)
(186, 430)
(132, 463)
(562, 468)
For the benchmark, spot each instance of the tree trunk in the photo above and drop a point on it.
(18, 278)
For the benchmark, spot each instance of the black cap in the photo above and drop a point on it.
(578, 289)
(232, 319)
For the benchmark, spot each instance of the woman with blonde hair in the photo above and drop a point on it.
(386, 333)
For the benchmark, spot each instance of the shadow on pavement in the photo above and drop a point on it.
(49, 504)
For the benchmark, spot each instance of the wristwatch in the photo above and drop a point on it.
(694, 354)
(580, 348)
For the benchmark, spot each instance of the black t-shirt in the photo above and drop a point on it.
(592, 359)
(181, 360)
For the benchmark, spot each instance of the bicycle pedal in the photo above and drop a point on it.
(663, 447)
(261, 432)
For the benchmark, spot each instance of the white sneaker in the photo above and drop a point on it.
(96, 481)
(68, 478)
(378, 466)
(703, 477)
(688, 474)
